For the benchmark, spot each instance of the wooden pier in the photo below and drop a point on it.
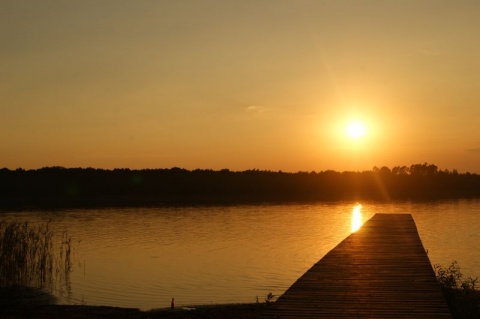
(380, 271)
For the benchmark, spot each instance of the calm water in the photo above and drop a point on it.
(143, 257)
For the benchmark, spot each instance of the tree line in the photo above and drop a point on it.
(82, 187)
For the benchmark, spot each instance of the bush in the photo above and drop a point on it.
(462, 295)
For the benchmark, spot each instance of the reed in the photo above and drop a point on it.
(30, 256)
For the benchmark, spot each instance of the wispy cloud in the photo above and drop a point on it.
(256, 109)
(429, 52)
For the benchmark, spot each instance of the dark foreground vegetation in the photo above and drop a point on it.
(52, 187)
(33, 256)
(233, 311)
(462, 294)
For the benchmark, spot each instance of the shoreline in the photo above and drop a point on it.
(27, 302)
(215, 311)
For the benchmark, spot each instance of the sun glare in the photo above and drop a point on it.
(356, 130)
(357, 217)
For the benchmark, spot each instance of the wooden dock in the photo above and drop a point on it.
(380, 271)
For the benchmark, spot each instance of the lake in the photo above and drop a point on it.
(142, 257)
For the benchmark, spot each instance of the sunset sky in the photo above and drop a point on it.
(239, 84)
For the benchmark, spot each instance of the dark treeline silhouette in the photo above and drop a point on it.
(52, 187)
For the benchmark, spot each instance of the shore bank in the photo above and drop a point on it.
(233, 311)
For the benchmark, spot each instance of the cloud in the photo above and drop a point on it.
(255, 109)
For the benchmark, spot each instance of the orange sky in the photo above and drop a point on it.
(239, 84)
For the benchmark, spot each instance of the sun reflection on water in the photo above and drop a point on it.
(357, 217)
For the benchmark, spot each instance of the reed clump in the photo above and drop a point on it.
(31, 256)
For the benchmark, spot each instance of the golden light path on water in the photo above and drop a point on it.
(357, 217)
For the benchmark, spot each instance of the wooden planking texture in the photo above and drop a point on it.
(380, 271)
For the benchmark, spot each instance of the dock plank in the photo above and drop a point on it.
(380, 271)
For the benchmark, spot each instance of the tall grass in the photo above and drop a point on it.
(31, 256)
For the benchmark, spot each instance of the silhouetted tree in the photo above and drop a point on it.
(74, 187)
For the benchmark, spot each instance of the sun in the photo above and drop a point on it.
(356, 130)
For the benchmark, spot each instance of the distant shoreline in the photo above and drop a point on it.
(69, 188)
